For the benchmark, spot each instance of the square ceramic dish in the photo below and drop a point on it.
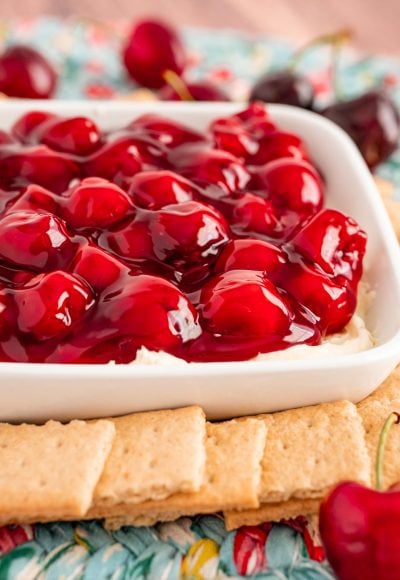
(36, 392)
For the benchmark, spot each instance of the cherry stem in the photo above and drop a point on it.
(335, 39)
(177, 84)
(394, 418)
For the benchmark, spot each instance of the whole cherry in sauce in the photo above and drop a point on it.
(26, 73)
(156, 189)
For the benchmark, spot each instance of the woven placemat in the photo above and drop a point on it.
(86, 55)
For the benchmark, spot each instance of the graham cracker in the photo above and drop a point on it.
(271, 512)
(374, 410)
(234, 450)
(153, 456)
(310, 449)
(49, 472)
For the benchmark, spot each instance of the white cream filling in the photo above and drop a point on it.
(355, 337)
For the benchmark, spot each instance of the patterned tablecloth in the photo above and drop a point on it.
(86, 54)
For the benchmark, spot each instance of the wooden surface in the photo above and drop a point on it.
(375, 22)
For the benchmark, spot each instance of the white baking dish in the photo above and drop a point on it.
(36, 392)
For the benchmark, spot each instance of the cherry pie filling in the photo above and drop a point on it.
(209, 246)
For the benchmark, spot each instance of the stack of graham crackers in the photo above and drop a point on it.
(158, 466)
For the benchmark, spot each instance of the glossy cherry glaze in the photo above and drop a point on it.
(153, 48)
(209, 246)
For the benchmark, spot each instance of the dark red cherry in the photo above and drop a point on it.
(152, 48)
(245, 304)
(335, 242)
(252, 213)
(231, 135)
(256, 120)
(39, 165)
(212, 167)
(26, 127)
(199, 91)
(35, 241)
(37, 199)
(284, 86)
(51, 304)
(97, 267)
(250, 254)
(152, 311)
(372, 121)
(96, 203)
(292, 184)
(332, 304)
(6, 138)
(169, 133)
(76, 135)
(188, 233)
(26, 73)
(7, 313)
(156, 189)
(116, 161)
(277, 145)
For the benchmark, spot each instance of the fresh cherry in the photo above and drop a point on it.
(96, 203)
(286, 87)
(372, 121)
(360, 527)
(36, 241)
(153, 48)
(245, 304)
(51, 304)
(156, 189)
(26, 73)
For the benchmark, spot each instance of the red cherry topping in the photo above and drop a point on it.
(333, 241)
(35, 241)
(116, 161)
(96, 203)
(244, 303)
(292, 184)
(78, 135)
(151, 311)
(39, 165)
(156, 189)
(153, 47)
(51, 304)
(25, 73)
(26, 127)
(149, 236)
(250, 255)
(212, 166)
(169, 133)
(252, 213)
